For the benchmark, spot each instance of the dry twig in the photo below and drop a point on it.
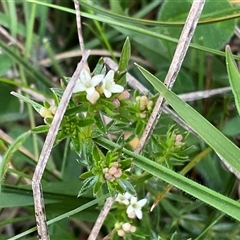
(46, 150)
(175, 66)
(48, 144)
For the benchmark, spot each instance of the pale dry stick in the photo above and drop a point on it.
(46, 150)
(22, 149)
(175, 66)
(98, 224)
(5, 33)
(79, 25)
(179, 55)
(103, 214)
(188, 97)
(48, 144)
(97, 52)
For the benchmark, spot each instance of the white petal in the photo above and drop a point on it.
(130, 209)
(85, 76)
(127, 195)
(138, 213)
(133, 200)
(115, 88)
(79, 87)
(142, 202)
(109, 77)
(97, 79)
(107, 93)
(90, 90)
(119, 197)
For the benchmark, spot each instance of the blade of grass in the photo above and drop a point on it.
(141, 30)
(234, 77)
(31, 71)
(221, 144)
(29, 33)
(63, 216)
(8, 156)
(13, 17)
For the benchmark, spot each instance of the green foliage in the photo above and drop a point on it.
(234, 77)
(93, 155)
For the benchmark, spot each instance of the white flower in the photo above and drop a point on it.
(135, 207)
(109, 86)
(87, 83)
(124, 199)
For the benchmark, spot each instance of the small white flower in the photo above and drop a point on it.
(124, 198)
(135, 207)
(109, 86)
(87, 83)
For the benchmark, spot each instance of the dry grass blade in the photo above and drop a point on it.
(175, 66)
(46, 150)
(79, 25)
(47, 147)
(101, 218)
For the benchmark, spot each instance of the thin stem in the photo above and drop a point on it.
(175, 66)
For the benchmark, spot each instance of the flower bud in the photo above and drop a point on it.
(126, 227)
(45, 112)
(123, 95)
(116, 102)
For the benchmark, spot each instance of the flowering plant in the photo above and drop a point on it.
(103, 105)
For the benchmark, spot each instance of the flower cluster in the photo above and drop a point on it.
(97, 85)
(124, 228)
(134, 207)
(145, 105)
(47, 113)
(113, 172)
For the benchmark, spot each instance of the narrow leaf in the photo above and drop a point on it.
(221, 144)
(234, 77)
(125, 56)
(35, 105)
(8, 155)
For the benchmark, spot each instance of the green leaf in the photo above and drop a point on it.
(99, 68)
(125, 56)
(85, 122)
(234, 77)
(86, 175)
(35, 105)
(142, 30)
(97, 186)
(9, 153)
(213, 35)
(40, 129)
(100, 124)
(87, 184)
(126, 186)
(97, 154)
(19, 60)
(78, 109)
(5, 63)
(232, 127)
(221, 144)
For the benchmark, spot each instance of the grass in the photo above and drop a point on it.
(198, 197)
